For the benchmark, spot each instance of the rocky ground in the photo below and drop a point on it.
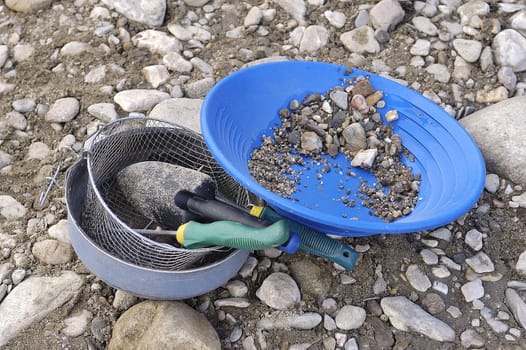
(69, 67)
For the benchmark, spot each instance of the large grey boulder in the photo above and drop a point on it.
(163, 325)
(499, 131)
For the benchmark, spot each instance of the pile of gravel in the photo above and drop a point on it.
(342, 121)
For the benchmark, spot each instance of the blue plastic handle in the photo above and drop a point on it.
(292, 245)
(317, 243)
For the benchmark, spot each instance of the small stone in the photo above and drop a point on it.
(279, 291)
(310, 278)
(3, 291)
(5, 159)
(340, 98)
(248, 343)
(175, 62)
(237, 288)
(123, 300)
(471, 339)
(77, 324)
(27, 6)
(386, 14)
(502, 315)
(492, 96)
(156, 75)
(429, 257)
(520, 266)
(509, 48)
(23, 105)
(417, 278)
(517, 306)
(359, 103)
(253, 17)
(420, 48)
(328, 323)
(150, 13)
(181, 111)
(350, 317)
(379, 286)
(473, 290)
(314, 38)
(201, 65)
(468, 49)
(425, 25)
(440, 287)
(22, 52)
(407, 316)
(4, 54)
(295, 8)
(496, 325)
(481, 263)
(355, 138)
(311, 142)
(180, 32)
(5, 270)
(249, 266)
(365, 158)
(363, 88)
(139, 99)
(474, 239)
(105, 112)
(16, 120)
(329, 306)
(433, 303)
(477, 304)
(196, 3)
(360, 40)
(450, 264)
(439, 71)
(52, 252)
(74, 48)
(336, 19)
(520, 200)
(513, 331)
(441, 233)
(95, 75)
(232, 302)
(63, 110)
(10, 208)
(37, 150)
(454, 311)
(305, 321)
(507, 78)
(18, 276)
(157, 42)
(198, 89)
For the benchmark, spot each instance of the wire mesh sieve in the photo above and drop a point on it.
(111, 222)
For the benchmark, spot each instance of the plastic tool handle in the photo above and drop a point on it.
(215, 210)
(314, 242)
(232, 234)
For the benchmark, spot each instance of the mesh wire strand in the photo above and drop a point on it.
(109, 220)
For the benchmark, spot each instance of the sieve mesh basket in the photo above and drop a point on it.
(109, 219)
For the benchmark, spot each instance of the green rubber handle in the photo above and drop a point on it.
(315, 242)
(232, 234)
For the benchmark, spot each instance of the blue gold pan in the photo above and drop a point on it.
(244, 106)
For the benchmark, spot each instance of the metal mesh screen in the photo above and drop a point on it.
(111, 221)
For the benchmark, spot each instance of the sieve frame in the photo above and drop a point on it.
(139, 249)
